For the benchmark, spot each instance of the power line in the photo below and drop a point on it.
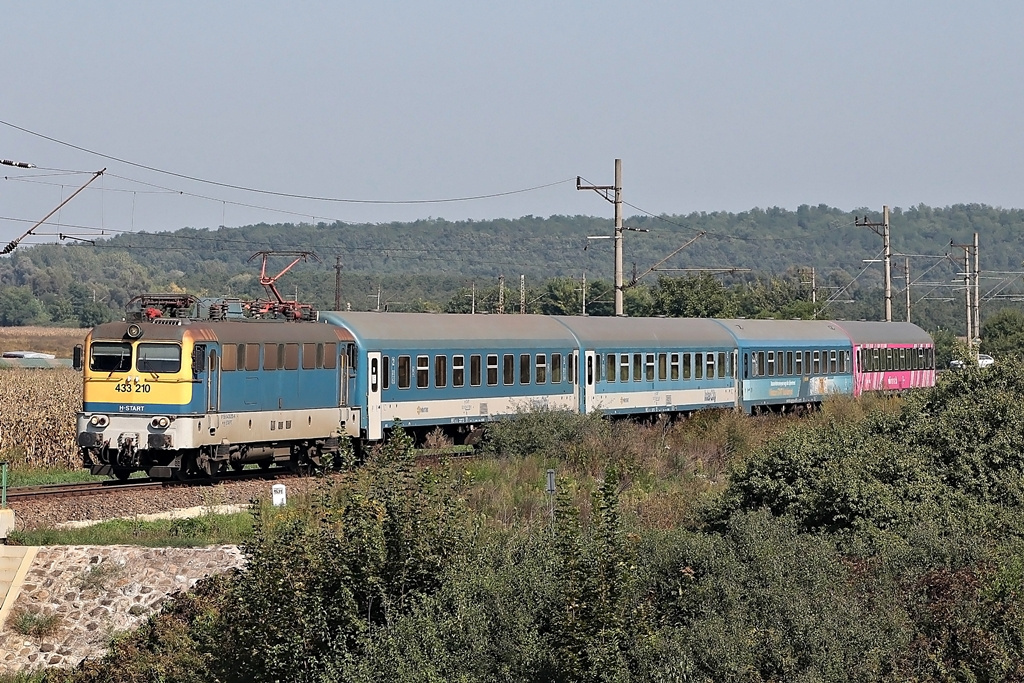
(274, 193)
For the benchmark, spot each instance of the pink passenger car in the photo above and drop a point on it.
(890, 356)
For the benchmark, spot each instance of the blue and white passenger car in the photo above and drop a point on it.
(435, 370)
(783, 362)
(653, 365)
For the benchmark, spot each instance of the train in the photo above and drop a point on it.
(200, 389)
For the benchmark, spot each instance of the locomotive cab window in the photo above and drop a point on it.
(159, 358)
(110, 357)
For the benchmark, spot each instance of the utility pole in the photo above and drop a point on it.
(522, 294)
(906, 270)
(583, 291)
(971, 332)
(814, 291)
(501, 294)
(977, 297)
(970, 310)
(882, 229)
(337, 283)
(616, 199)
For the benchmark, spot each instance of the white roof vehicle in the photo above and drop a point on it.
(984, 360)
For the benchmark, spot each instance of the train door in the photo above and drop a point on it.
(374, 431)
(737, 379)
(346, 367)
(213, 383)
(586, 381)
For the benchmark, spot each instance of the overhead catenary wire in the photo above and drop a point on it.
(275, 193)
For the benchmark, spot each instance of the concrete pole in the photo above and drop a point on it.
(967, 288)
(977, 297)
(888, 264)
(618, 236)
(906, 267)
(584, 292)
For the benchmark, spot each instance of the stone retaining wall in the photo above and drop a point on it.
(91, 593)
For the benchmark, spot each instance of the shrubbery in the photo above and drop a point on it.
(858, 545)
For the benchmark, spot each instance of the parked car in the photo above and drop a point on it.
(984, 360)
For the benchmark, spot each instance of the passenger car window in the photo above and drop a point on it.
(404, 372)
(458, 371)
(422, 371)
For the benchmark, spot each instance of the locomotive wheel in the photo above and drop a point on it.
(188, 469)
(120, 473)
(238, 466)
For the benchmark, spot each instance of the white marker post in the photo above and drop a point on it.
(278, 495)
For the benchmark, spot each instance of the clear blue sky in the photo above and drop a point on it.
(711, 105)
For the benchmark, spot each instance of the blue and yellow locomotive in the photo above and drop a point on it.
(180, 397)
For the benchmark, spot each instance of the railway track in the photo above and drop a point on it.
(86, 488)
(94, 488)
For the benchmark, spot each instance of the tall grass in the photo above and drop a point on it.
(664, 466)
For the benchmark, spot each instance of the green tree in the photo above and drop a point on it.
(18, 307)
(1003, 333)
(696, 296)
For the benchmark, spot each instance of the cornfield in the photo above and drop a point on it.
(37, 417)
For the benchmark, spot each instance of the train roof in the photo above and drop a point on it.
(450, 330)
(875, 332)
(785, 332)
(650, 332)
(225, 331)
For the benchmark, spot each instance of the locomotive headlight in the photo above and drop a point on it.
(160, 422)
(99, 420)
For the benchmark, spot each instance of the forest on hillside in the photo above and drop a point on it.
(434, 264)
